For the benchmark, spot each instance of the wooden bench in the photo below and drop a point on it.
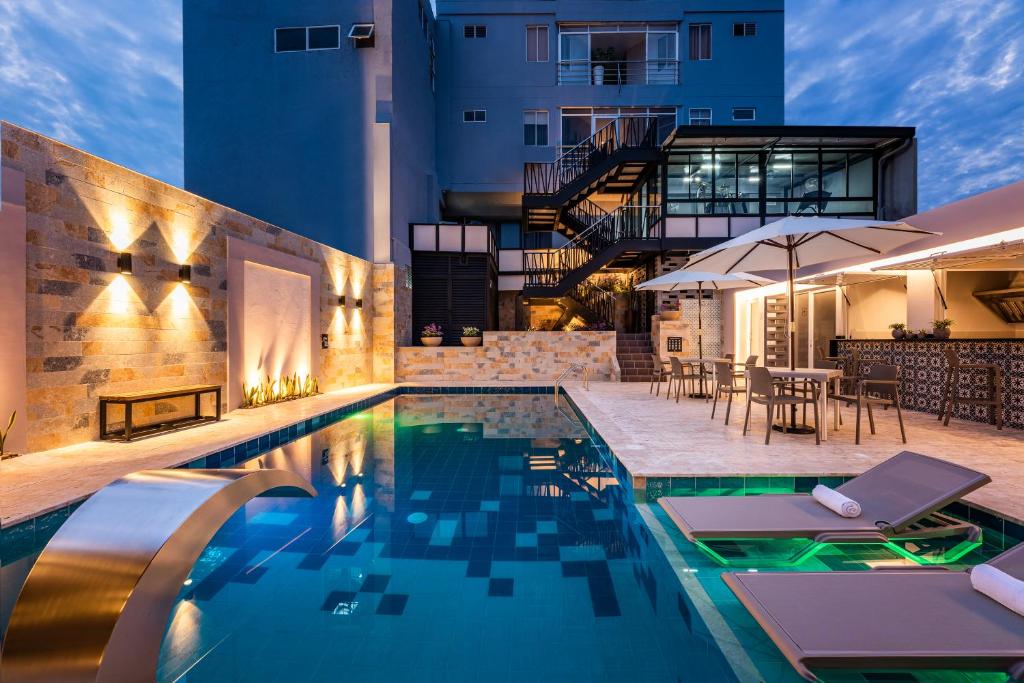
(130, 399)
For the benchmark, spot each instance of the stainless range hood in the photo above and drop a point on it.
(1007, 303)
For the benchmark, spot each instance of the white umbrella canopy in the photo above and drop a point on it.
(797, 241)
(683, 279)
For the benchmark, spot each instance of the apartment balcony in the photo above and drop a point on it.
(619, 72)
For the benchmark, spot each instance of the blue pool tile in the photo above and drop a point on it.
(479, 569)
(547, 527)
(490, 505)
(375, 583)
(500, 588)
(528, 540)
(249, 575)
(420, 495)
(392, 604)
(336, 598)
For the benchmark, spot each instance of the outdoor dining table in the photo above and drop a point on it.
(822, 376)
(694, 360)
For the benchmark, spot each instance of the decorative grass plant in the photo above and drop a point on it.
(286, 388)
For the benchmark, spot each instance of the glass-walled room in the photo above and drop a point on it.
(758, 182)
(618, 54)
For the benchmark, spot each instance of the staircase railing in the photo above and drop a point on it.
(583, 213)
(625, 132)
(598, 301)
(549, 268)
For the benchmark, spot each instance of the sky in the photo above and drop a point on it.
(105, 75)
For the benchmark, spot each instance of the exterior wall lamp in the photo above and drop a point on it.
(359, 303)
(341, 300)
(124, 263)
(185, 273)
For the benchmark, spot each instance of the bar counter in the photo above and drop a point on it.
(923, 371)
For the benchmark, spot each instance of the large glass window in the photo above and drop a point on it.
(510, 236)
(728, 182)
(579, 123)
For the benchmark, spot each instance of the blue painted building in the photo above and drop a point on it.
(512, 150)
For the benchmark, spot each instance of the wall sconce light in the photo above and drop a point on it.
(124, 263)
(359, 303)
(185, 273)
(341, 300)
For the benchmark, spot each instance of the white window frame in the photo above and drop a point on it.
(691, 118)
(547, 43)
(711, 37)
(536, 113)
(752, 110)
(321, 49)
(474, 119)
(743, 31)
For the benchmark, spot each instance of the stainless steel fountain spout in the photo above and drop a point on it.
(95, 605)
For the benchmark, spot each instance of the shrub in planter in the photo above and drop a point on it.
(899, 330)
(471, 336)
(941, 328)
(432, 335)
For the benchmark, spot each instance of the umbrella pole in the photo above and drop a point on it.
(790, 277)
(700, 338)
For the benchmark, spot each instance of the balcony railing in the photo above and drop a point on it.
(549, 268)
(619, 72)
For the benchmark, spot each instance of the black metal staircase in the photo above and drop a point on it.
(613, 160)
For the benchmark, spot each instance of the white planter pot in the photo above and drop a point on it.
(598, 75)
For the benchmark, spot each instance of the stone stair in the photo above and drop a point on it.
(633, 350)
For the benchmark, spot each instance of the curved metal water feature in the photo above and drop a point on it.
(96, 604)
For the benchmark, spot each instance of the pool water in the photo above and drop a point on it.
(454, 538)
(469, 537)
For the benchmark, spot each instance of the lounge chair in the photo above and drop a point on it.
(886, 619)
(900, 499)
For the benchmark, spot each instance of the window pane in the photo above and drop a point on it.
(542, 133)
(291, 39)
(324, 38)
(833, 174)
(529, 134)
(575, 129)
(862, 181)
(779, 176)
(805, 182)
(725, 176)
(531, 43)
(510, 236)
(694, 42)
(543, 47)
(749, 176)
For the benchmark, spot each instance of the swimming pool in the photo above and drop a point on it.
(464, 537)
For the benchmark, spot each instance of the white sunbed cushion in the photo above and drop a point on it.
(835, 501)
(1000, 586)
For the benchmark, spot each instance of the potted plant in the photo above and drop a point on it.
(899, 330)
(670, 311)
(432, 335)
(600, 57)
(471, 336)
(923, 333)
(941, 328)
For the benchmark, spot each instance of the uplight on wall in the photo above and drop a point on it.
(341, 300)
(359, 303)
(124, 263)
(185, 273)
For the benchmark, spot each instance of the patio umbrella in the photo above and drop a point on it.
(682, 279)
(797, 241)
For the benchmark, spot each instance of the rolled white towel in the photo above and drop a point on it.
(835, 501)
(1000, 586)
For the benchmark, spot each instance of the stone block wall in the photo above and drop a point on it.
(511, 356)
(91, 330)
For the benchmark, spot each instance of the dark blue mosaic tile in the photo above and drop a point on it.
(500, 588)
(336, 598)
(375, 583)
(392, 604)
(249, 575)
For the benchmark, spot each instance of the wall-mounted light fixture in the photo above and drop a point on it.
(341, 300)
(124, 263)
(359, 303)
(185, 273)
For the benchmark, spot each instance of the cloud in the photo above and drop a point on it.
(953, 69)
(103, 75)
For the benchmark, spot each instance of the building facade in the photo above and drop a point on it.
(525, 157)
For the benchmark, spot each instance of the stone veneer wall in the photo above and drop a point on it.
(92, 331)
(511, 356)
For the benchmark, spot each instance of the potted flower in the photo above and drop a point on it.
(941, 328)
(471, 336)
(432, 335)
(899, 330)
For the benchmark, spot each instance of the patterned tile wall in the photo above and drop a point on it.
(923, 372)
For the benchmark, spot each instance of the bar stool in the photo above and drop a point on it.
(993, 389)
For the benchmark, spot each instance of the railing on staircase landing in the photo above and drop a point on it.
(600, 302)
(626, 132)
(549, 268)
